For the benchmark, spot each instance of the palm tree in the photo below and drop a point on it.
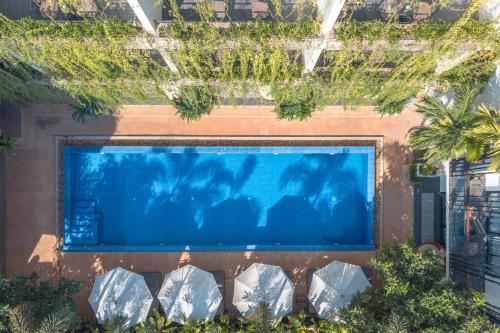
(487, 133)
(445, 134)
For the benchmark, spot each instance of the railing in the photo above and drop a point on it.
(474, 230)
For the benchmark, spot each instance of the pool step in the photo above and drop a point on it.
(84, 223)
(85, 219)
(83, 210)
(83, 204)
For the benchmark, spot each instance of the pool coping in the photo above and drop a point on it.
(187, 140)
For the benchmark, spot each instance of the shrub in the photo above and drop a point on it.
(194, 102)
(261, 319)
(84, 107)
(60, 320)
(414, 298)
(44, 298)
(476, 70)
(297, 103)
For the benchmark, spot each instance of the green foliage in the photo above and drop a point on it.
(255, 31)
(20, 320)
(475, 70)
(100, 60)
(60, 320)
(487, 132)
(115, 325)
(102, 28)
(43, 300)
(89, 59)
(259, 63)
(91, 8)
(296, 103)
(194, 102)
(396, 103)
(84, 107)
(457, 131)
(375, 30)
(402, 270)
(444, 135)
(414, 298)
(261, 319)
(7, 145)
(17, 81)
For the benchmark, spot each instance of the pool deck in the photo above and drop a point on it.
(30, 189)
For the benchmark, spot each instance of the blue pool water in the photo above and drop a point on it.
(176, 198)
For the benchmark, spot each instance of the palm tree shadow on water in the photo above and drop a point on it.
(165, 200)
(189, 198)
(234, 220)
(327, 198)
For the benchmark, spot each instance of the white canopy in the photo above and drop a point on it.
(120, 293)
(333, 287)
(263, 283)
(189, 292)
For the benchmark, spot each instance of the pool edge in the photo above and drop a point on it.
(375, 141)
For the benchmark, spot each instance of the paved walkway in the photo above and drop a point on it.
(30, 188)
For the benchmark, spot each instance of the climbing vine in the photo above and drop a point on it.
(96, 65)
(77, 63)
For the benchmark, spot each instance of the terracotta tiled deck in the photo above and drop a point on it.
(30, 188)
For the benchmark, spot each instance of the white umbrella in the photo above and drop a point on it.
(189, 292)
(333, 287)
(263, 283)
(120, 293)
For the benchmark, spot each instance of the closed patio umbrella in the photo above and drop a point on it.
(263, 283)
(189, 292)
(120, 293)
(333, 286)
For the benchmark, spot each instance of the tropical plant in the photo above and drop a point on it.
(155, 323)
(262, 320)
(84, 107)
(487, 132)
(296, 103)
(475, 69)
(194, 102)
(60, 320)
(116, 324)
(103, 59)
(444, 132)
(42, 298)
(414, 297)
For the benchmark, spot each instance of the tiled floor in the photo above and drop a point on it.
(30, 188)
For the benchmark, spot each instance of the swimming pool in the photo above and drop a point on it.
(218, 198)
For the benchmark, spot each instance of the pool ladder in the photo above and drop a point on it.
(84, 223)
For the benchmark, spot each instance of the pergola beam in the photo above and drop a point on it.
(330, 10)
(330, 44)
(144, 10)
